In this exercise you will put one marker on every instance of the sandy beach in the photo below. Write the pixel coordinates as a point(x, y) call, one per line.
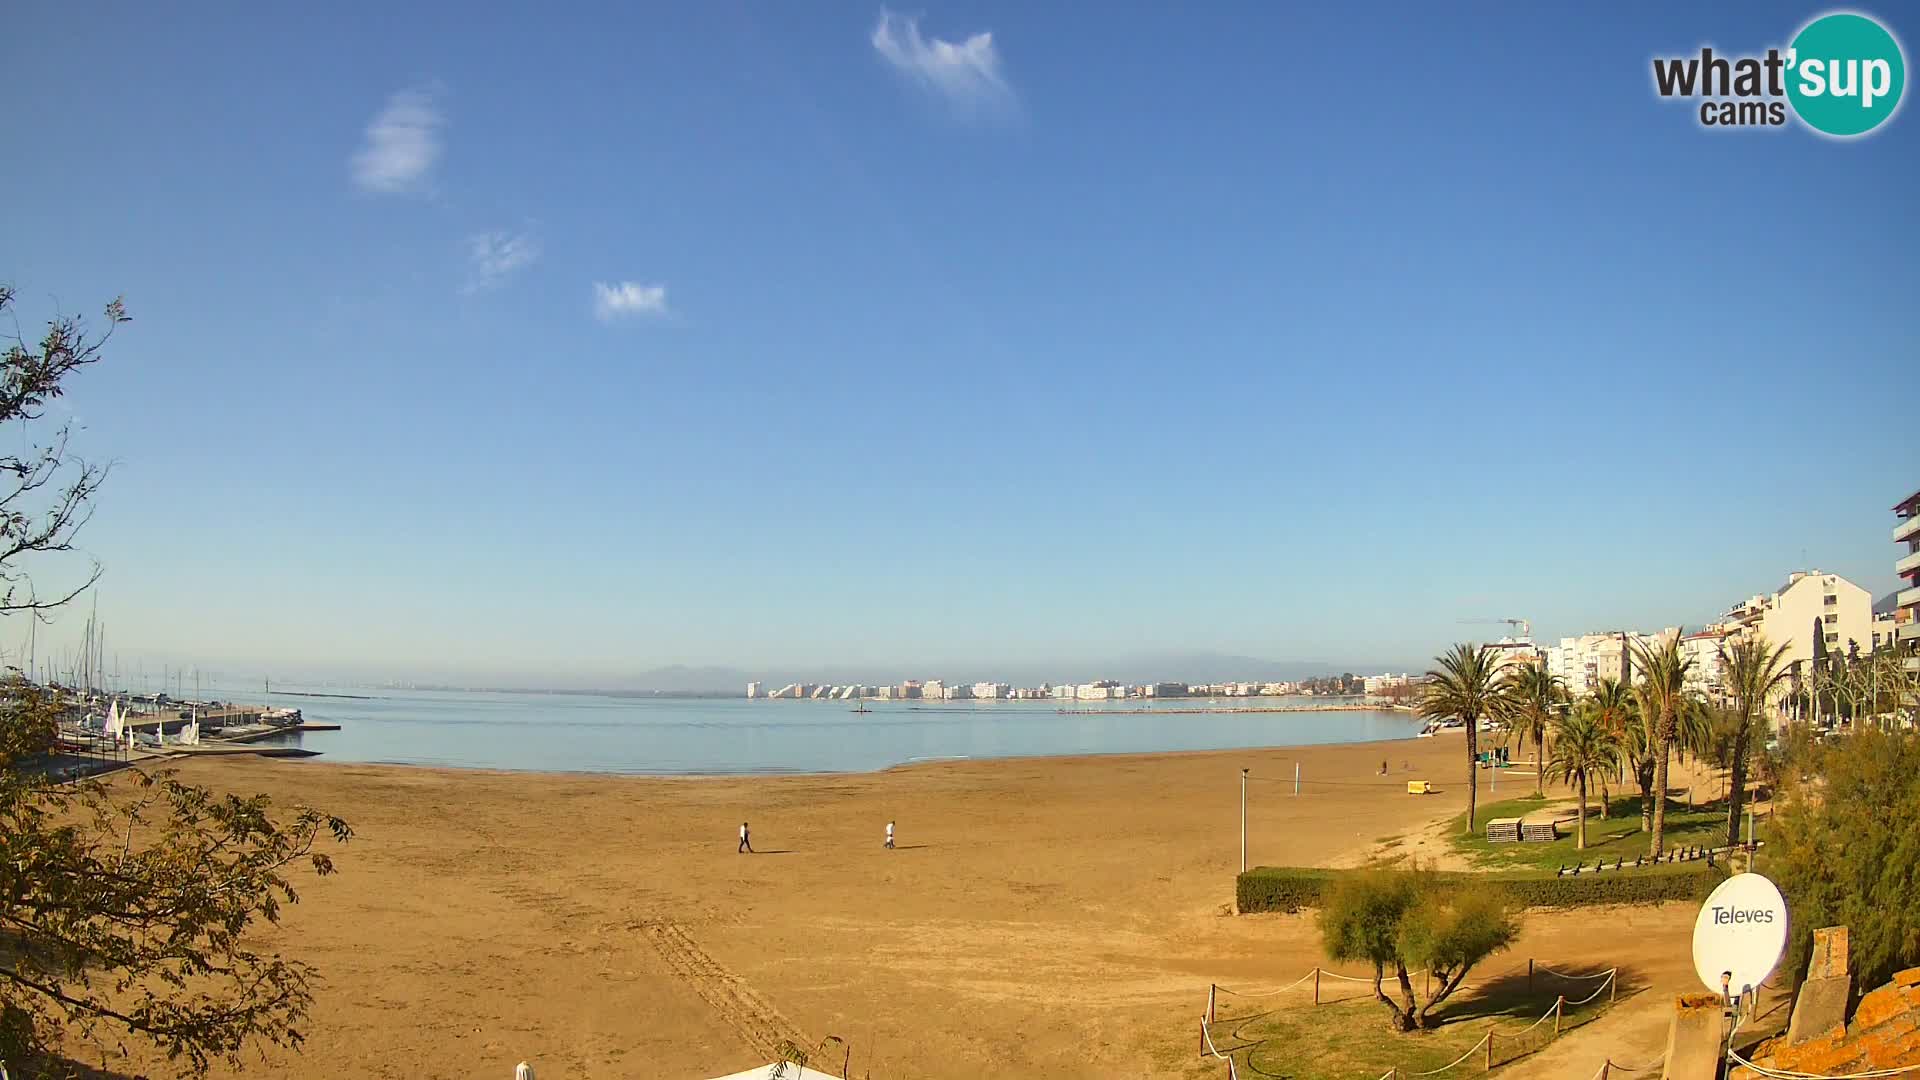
point(1041, 917)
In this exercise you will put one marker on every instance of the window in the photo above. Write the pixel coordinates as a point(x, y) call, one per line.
point(1833, 617)
point(1832, 638)
point(1832, 600)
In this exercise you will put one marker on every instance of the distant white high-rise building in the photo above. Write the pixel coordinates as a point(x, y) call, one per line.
point(753, 689)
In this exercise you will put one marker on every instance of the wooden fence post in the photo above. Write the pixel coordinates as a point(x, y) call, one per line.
point(1613, 986)
point(1559, 1009)
point(1316, 986)
point(1489, 1051)
point(1529, 974)
point(1211, 988)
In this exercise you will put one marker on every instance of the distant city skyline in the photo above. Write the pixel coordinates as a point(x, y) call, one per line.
point(785, 337)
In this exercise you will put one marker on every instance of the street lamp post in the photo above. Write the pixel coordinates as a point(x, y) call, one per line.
point(1243, 821)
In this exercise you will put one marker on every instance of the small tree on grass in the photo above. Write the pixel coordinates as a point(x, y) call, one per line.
point(1449, 933)
point(1402, 921)
point(1360, 922)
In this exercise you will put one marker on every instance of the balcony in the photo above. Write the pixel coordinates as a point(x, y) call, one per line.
point(1907, 529)
point(1908, 565)
point(1907, 598)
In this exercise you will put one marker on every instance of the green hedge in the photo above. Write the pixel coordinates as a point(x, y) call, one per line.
point(1285, 888)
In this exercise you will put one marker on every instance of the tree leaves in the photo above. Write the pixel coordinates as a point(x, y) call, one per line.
point(126, 907)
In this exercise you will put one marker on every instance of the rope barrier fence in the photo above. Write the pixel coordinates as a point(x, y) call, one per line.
point(1206, 1040)
point(1516, 1041)
point(1608, 1068)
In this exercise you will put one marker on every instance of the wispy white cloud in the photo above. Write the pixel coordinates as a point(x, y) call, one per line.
point(403, 142)
point(627, 298)
point(966, 74)
point(493, 257)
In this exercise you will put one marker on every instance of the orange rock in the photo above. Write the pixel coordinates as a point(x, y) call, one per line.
point(1878, 1007)
point(1909, 977)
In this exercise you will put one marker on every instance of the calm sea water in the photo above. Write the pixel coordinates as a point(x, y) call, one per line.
point(589, 733)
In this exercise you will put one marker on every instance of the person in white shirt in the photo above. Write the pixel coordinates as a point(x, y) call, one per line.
point(889, 836)
point(746, 840)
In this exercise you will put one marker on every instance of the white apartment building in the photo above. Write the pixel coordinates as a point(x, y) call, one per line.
point(933, 690)
point(1581, 662)
point(1810, 603)
point(1886, 630)
point(1373, 684)
point(990, 691)
point(1510, 651)
point(1705, 673)
point(1906, 614)
point(753, 689)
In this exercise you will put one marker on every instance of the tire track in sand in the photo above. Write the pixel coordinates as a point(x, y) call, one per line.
point(758, 1023)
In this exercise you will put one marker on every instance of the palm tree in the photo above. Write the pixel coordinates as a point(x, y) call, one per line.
point(1641, 750)
point(1751, 672)
point(1664, 695)
point(1527, 703)
point(1612, 705)
point(1463, 686)
point(1583, 747)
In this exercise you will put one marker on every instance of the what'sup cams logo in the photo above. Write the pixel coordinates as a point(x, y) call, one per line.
point(1843, 76)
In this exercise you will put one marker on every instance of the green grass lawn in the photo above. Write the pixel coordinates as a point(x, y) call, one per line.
point(1349, 1039)
point(1616, 836)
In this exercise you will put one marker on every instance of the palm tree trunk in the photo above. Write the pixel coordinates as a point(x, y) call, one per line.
point(1604, 794)
point(1473, 768)
point(1540, 760)
point(1660, 797)
point(1736, 786)
point(1581, 843)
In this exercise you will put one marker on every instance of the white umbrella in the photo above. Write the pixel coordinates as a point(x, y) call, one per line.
point(523, 1071)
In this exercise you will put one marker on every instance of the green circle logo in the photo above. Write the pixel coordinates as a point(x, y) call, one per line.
point(1845, 74)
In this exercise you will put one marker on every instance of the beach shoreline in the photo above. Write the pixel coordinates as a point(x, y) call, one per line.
point(321, 760)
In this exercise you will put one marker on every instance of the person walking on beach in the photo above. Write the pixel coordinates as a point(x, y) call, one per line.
point(746, 840)
point(889, 836)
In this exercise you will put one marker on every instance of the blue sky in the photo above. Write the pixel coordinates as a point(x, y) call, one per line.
point(569, 343)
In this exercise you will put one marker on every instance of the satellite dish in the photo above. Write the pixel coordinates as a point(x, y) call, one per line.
point(1740, 934)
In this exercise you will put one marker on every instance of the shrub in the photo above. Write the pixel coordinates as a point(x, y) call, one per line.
point(1399, 919)
point(1848, 854)
point(1271, 888)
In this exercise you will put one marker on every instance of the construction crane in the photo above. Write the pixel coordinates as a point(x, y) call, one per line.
point(1525, 627)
